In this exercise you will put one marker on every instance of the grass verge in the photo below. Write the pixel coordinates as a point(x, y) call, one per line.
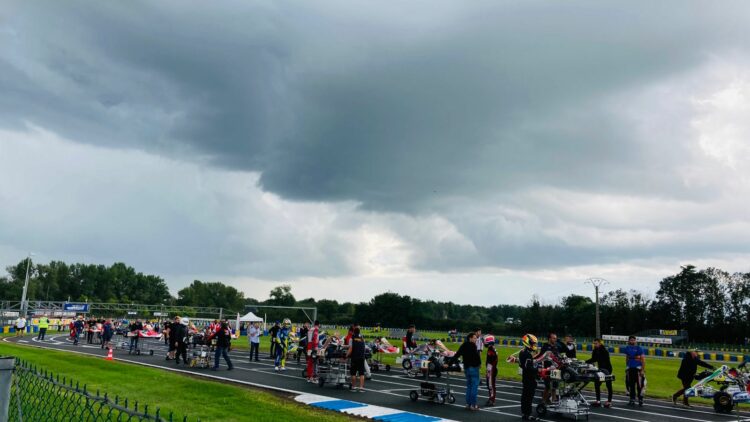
point(182, 394)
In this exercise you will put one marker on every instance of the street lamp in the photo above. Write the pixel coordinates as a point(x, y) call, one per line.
point(597, 282)
point(24, 305)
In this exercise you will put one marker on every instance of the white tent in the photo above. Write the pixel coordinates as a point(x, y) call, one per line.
point(251, 317)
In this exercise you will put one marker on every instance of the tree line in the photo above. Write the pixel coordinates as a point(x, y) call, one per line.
point(713, 305)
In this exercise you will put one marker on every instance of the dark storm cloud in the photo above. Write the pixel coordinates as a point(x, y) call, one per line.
point(386, 106)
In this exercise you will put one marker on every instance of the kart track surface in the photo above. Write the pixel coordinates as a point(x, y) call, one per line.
point(389, 389)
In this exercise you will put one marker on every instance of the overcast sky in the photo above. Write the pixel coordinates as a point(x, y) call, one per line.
point(479, 152)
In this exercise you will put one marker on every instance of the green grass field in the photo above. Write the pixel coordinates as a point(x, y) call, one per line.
point(184, 395)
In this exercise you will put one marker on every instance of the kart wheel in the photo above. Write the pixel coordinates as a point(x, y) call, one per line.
point(440, 399)
point(138, 352)
point(413, 395)
point(304, 373)
point(406, 364)
point(387, 368)
point(438, 374)
point(723, 402)
point(321, 382)
point(150, 352)
point(431, 366)
point(451, 398)
point(568, 375)
point(541, 409)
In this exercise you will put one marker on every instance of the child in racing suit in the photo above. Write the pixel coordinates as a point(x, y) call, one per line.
point(491, 367)
point(528, 375)
point(282, 344)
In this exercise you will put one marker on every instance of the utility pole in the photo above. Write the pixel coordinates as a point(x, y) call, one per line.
point(24, 305)
point(597, 282)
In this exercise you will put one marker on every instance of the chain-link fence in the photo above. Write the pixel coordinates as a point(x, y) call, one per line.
point(38, 395)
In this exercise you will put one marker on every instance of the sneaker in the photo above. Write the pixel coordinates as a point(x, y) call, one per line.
point(309, 380)
point(361, 390)
point(283, 368)
point(489, 403)
point(631, 403)
point(674, 400)
point(276, 368)
point(596, 404)
point(608, 404)
point(640, 402)
point(686, 404)
point(230, 368)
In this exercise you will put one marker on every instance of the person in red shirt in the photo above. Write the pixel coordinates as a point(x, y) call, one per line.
point(491, 367)
point(312, 344)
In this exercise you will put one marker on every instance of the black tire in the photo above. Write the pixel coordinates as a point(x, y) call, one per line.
point(723, 402)
point(451, 398)
point(387, 368)
point(138, 352)
point(441, 399)
point(150, 352)
point(321, 382)
point(413, 395)
point(304, 373)
point(568, 375)
point(406, 364)
point(541, 409)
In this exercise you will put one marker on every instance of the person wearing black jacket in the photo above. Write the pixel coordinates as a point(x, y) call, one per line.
point(472, 360)
point(686, 374)
point(600, 356)
point(569, 348)
point(553, 346)
point(135, 329)
point(223, 342)
point(274, 331)
point(179, 332)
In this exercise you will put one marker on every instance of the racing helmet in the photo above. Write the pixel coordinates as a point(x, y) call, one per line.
point(489, 340)
point(529, 341)
point(185, 320)
point(287, 322)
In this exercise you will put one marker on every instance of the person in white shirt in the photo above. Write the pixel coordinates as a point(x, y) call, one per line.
point(20, 326)
point(253, 336)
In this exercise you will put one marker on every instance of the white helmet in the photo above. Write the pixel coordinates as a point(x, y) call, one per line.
point(287, 322)
point(184, 320)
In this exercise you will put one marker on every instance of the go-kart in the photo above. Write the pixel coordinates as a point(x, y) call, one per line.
point(726, 386)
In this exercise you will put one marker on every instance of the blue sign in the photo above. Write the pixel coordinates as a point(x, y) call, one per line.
point(76, 307)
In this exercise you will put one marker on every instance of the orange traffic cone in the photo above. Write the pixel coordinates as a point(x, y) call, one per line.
point(109, 354)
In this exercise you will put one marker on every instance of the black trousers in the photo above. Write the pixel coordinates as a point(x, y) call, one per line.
point(42, 332)
point(254, 347)
point(685, 385)
point(634, 383)
point(181, 351)
point(598, 390)
point(527, 397)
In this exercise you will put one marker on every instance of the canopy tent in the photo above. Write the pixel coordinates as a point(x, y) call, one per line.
point(251, 317)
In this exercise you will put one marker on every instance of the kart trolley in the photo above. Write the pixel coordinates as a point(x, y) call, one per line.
point(437, 393)
point(568, 378)
point(147, 342)
point(332, 367)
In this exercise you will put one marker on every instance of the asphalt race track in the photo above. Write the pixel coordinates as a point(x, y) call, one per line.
point(391, 389)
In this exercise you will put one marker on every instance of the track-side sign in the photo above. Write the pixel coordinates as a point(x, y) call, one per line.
point(667, 332)
point(157, 314)
point(654, 340)
point(76, 307)
point(10, 313)
point(132, 313)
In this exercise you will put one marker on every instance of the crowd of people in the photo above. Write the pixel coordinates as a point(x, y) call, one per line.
point(310, 340)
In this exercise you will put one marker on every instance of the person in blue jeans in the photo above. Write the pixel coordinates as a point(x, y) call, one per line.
point(472, 361)
point(78, 326)
point(223, 342)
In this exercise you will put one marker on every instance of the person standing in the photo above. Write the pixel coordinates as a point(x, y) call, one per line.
point(223, 342)
point(491, 369)
point(78, 328)
point(528, 375)
point(253, 336)
point(313, 337)
point(686, 374)
point(552, 347)
point(635, 367)
point(134, 330)
point(43, 325)
point(272, 333)
point(302, 346)
point(600, 356)
point(356, 353)
point(472, 361)
point(107, 332)
point(179, 333)
point(409, 344)
point(20, 325)
point(282, 343)
point(570, 347)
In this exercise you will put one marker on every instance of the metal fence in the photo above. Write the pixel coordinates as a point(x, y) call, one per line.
point(38, 395)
